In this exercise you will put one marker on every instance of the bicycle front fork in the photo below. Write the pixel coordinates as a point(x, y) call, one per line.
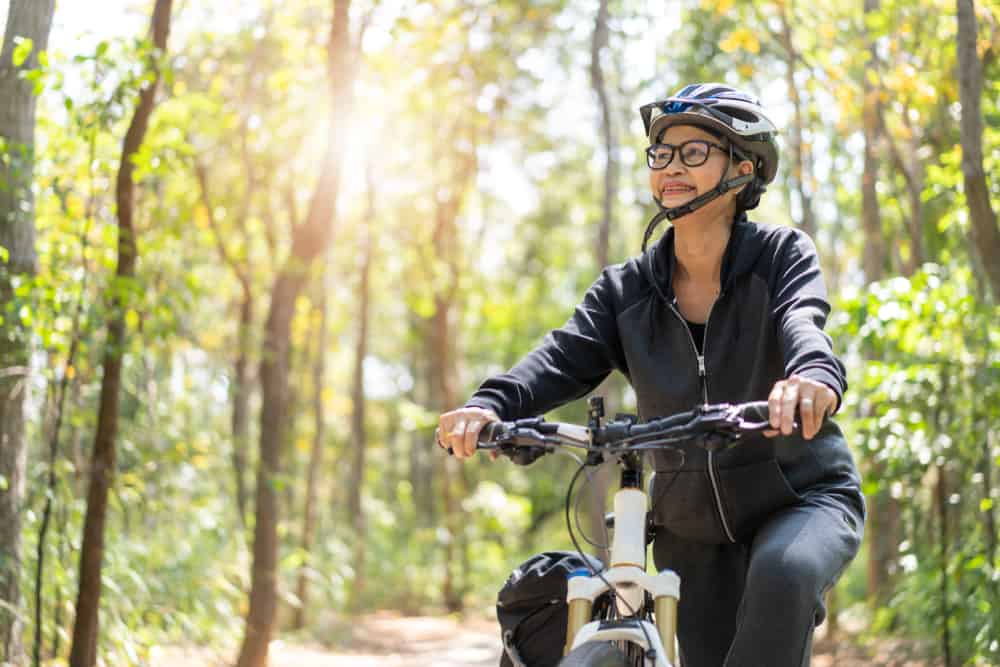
point(664, 588)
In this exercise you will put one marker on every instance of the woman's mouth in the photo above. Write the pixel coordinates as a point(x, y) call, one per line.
point(675, 189)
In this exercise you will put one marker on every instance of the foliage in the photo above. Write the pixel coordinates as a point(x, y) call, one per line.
point(923, 412)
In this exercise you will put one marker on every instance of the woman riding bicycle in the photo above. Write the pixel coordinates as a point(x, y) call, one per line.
point(720, 309)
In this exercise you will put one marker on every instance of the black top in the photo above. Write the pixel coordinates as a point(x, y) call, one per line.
point(698, 333)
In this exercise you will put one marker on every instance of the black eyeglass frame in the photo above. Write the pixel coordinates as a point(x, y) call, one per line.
point(676, 149)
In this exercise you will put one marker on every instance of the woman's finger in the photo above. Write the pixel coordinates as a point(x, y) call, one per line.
point(472, 428)
point(789, 401)
point(807, 411)
point(774, 404)
point(456, 436)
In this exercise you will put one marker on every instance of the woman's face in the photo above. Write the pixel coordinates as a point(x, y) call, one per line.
point(677, 183)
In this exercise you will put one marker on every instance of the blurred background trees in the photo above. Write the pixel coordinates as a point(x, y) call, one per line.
point(491, 165)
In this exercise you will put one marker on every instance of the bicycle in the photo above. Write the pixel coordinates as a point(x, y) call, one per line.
point(639, 627)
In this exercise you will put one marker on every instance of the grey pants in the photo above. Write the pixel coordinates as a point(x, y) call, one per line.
point(757, 603)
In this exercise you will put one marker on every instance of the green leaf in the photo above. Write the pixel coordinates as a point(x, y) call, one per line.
point(22, 49)
point(985, 505)
point(102, 48)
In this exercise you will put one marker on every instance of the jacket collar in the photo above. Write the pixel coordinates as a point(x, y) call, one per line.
point(741, 253)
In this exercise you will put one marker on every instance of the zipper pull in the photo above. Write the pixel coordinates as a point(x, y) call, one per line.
point(701, 365)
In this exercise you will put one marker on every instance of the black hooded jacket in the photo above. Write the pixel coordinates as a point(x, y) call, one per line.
point(766, 324)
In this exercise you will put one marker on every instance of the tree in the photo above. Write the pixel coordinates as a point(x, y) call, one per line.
point(983, 231)
point(25, 37)
point(85, 627)
point(309, 240)
point(359, 436)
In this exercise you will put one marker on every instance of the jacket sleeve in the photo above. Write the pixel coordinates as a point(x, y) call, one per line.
point(570, 362)
point(800, 308)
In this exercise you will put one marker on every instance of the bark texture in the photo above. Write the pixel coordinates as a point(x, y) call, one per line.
point(458, 169)
point(102, 465)
point(359, 440)
point(309, 241)
point(873, 259)
point(983, 231)
point(611, 388)
point(801, 155)
point(315, 463)
point(27, 19)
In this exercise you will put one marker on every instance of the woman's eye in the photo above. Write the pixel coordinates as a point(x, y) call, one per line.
point(694, 153)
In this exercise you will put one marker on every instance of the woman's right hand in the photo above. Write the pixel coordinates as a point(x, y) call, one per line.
point(460, 428)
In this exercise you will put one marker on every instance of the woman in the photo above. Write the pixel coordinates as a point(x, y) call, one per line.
point(721, 309)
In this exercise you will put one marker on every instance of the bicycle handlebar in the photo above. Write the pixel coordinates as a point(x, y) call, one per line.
point(715, 427)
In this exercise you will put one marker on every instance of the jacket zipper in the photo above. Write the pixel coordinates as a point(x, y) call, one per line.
point(703, 378)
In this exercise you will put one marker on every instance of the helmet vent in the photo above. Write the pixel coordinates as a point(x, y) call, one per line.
point(741, 114)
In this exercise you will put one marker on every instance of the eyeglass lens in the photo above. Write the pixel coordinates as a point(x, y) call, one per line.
point(693, 153)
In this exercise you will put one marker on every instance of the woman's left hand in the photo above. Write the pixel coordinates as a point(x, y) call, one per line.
point(814, 400)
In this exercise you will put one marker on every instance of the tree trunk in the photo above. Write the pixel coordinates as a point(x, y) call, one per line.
point(881, 547)
point(459, 169)
point(422, 461)
point(913, 173)
point(359, 440)
point(309, 240)
point(315, 463)
point(801, 163)
point(873, 260)
point(59, 411)
point(983, 232)
point(941, 505)
point(599, 44)
point(85, 628)
point(611, 388)
point(988, 514)
point(28, 19)
point(241, 405)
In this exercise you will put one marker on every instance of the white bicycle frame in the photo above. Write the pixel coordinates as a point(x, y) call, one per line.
point(627, 574)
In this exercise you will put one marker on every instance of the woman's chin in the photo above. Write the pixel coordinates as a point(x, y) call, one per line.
point(675, 199)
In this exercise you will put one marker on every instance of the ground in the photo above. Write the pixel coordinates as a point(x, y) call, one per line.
point(391, 640)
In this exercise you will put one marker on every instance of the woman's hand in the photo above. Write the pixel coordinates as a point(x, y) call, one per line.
point(460, 428)
point(814, 400)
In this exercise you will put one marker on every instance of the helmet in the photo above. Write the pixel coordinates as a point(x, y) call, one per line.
point(722, 110)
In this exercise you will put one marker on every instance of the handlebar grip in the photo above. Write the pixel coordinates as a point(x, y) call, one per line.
point(488, 432)
point(756, 411)
point(485, 435)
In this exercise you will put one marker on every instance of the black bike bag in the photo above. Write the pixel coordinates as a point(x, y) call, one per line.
point(533, 611)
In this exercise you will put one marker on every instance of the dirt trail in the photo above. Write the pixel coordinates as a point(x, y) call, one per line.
point(383, 640)
point(390, 640)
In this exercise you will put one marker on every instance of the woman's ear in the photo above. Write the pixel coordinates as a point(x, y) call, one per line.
point(743, 168)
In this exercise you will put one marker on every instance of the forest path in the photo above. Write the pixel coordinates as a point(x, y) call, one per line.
point(389, 640)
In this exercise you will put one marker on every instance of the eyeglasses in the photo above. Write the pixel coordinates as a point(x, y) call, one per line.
point(694, 153)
